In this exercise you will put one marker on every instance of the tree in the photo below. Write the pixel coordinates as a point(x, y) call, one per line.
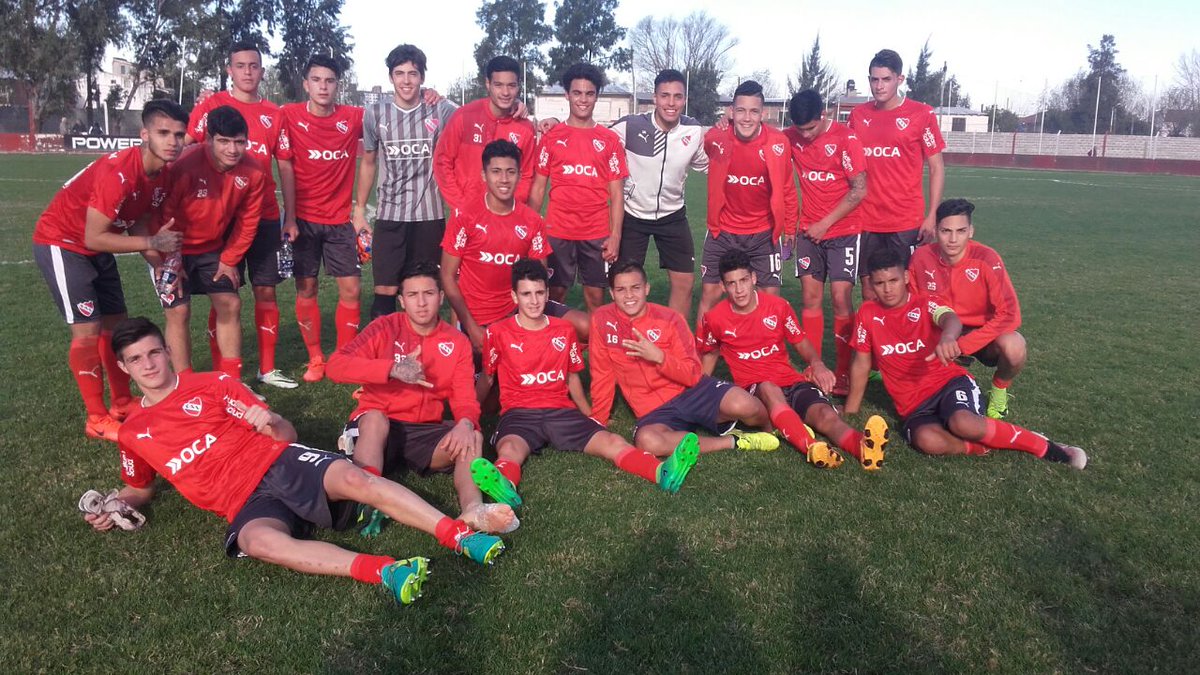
point(1003, 119)
point(816, 74)
point(1073, 106)
point(770, 87)
point(515, 28)
point(1185, 90)
point(587, 32)
point(36, 47)
point(310, 27)
point(697, 45)
point(932, 86)
point(96, 24)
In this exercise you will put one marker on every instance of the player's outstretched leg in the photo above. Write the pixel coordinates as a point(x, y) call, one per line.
point(991, 433)
point(1009, 353)
point(404, 578)
point(738, 405)
point(493, 483)
point(674, 469)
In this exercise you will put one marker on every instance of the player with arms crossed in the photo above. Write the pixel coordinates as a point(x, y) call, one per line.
point(751, 196)
point(833, 182)
point(648, 351)
point(215, 199)
point(318, 140)
point(261, 263)
point(74, 242)
point(584, 164)
point(900, 136)
point(410, 365)
point(752, 330)
point(225, 452)
point(536, 359)
point(973, 279)
point(914, 341)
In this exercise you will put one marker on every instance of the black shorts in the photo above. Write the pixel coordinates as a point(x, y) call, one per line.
point(260, 267)
point(961, 393)
point(84, 287)
point(988, 355)
point(399, 244)
point(762, 248)
point(801, 396)
point(293, 491)
point(672, 235)
point(566, 429)
point(198, 280)
point(697, 407)
point(335, 245)
point(581, 259)
point(834, 259)
point(903, 242)
point(410, 445)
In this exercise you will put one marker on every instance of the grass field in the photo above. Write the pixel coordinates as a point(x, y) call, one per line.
point(761, 564)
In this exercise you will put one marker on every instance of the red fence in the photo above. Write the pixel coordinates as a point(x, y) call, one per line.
point(1064, 163)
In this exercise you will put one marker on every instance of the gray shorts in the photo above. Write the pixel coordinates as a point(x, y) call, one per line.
point(198, 271)
point(572, 259)
point(84, 287)
point(903, 242)
point(834, 259)
point(566, 429)
point(335, 245)
point(761, 246)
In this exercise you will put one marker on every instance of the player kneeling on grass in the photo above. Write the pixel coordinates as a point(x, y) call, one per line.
point(225, 452)
point(410, 365)
point(914, 342)
point(752, 330)
point(536, 358)
point(649, 351)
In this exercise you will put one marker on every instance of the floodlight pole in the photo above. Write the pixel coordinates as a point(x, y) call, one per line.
point(1096, 116)
point(1153, 109)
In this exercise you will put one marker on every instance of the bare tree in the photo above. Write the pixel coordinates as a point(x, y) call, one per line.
point(770, 87)
point(816, 73)
point(1185, 92)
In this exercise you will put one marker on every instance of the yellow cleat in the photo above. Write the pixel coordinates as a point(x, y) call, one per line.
point(821, 456)
point(875, 439)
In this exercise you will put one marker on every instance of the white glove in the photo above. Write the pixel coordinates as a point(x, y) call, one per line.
point(123, 515)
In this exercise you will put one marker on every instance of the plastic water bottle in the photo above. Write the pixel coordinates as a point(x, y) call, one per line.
point(169, 274)
point(286, 258)
point(364, 247)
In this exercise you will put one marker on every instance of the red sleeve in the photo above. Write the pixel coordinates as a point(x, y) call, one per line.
point(791, 325)
point(604, 380)
point(108, 190)
point(617, 167)
point(283, 144)
point(575, 363)
point(931, 136)
point(791, 202)
point(135, 471)
point(681, 364)
point(462, 397)
point(358, 361)
point(198, 121)
point(245, 225)
point(232, 390)
point(445, 159)
point(861, 340)
point(1006, 311)
point(454, 241)
point(854, 158)
point(706, 337)
point(543, 156)
point(490, 351)
point(528, 153)
point(539, 246)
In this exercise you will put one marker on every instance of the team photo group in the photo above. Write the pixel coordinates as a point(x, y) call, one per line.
point(483, 219)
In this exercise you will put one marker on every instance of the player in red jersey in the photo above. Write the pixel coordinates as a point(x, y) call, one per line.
point(900, 136)
point(535, 358)
point(73, 246)
point(410, 365)
point(215, 198)
point(459, 152)
point(833, 182)
point(585, 166)
point(318, 141)
point(751, 196)
point(225, 452)
point(973, 279)
point(261, 264)
point(648, 351)
point(752, 330)
point(914, 341)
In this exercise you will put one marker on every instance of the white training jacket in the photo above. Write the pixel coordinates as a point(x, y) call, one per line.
point(658, 163)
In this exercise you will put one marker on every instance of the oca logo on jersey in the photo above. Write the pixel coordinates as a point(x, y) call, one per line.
point(882, 151)
point(328, 155)
point(545, 377)
point(819, 176)
point(902, 348)
point(499, 258)
point(191, 452)
point(745, 180)
point(580, 170)
point(759, 353)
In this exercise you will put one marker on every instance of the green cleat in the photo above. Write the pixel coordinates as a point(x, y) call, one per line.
point(674, 469)
point(370, 521)
point(997, 403)
point(754, 440)
point(492, 483)
point(480, 547)
point(404, 578)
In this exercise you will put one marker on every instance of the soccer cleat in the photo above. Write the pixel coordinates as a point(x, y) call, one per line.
point(102, 427)
point(841, 388)
point(1076, 458)
point(494, 518)
point(315, 371)
point(674, 469)
point(875, 376)
point(276, 378)
point(404, 578)
point(492, 483)
point(356, 394)
point(875, 439)
point(370, 521)
point(120, 410)
point(997, 408)
point(480, 547)
point(754, 440)
point(821, 456)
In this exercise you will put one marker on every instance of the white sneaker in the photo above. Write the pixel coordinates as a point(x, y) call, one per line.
point(276, 378)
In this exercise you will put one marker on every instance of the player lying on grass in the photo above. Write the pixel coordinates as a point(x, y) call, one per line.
point(915, 341)
point(973, 279)
point(410, 365)
point(649, 352)
point(225, 452)
point(536, 359)
point(751, 331)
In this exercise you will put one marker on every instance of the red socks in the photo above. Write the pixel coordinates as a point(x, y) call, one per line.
point(788, 422)
point(84, 359)
point(266, 321)
point(214, 349)
point(510, 470)
point(449, 531)
point(308, 316)
point(638, 463)
point(118, 380)
point(347, 318)
point(232, 368)
point(371, 470)
point(851, 442)
point(975, 448)
point(999, 383)
point(1005, 436)
point(843, 326)
point(813, 322)
point(367, 568)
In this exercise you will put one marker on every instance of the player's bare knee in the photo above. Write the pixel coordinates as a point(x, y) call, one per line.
point(260, 541)
point(1012, 349)
point(928, 440)
point(967, 426)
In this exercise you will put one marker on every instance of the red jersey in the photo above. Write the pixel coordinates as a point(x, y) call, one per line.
point(445, 357)
point(115, 185)
point(489, 244)
point(214, 209)
point(197, 440)
point(750, 186)
point(825, 167)
point(322, 151)
point(896, 142)
point(533, 365)
point(458, 155)
point(900, 339)
point(263, 135)
point(754, 345)
point(580, 164)
point(978, 288)
point(646, 385)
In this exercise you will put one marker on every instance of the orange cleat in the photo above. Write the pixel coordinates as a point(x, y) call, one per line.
point(121, 409)
point(102, 427)
point(315, 371)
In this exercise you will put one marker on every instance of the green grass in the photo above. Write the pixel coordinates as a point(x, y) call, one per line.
point(761, 564)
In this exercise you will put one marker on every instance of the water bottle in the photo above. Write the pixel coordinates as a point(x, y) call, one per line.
point(169, 274)
point(286, 258)
point(364, 247)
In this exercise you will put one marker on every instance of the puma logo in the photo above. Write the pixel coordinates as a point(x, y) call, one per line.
point(145, 435)
point(94, 372)
point(268, 329)
point(303, 125)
